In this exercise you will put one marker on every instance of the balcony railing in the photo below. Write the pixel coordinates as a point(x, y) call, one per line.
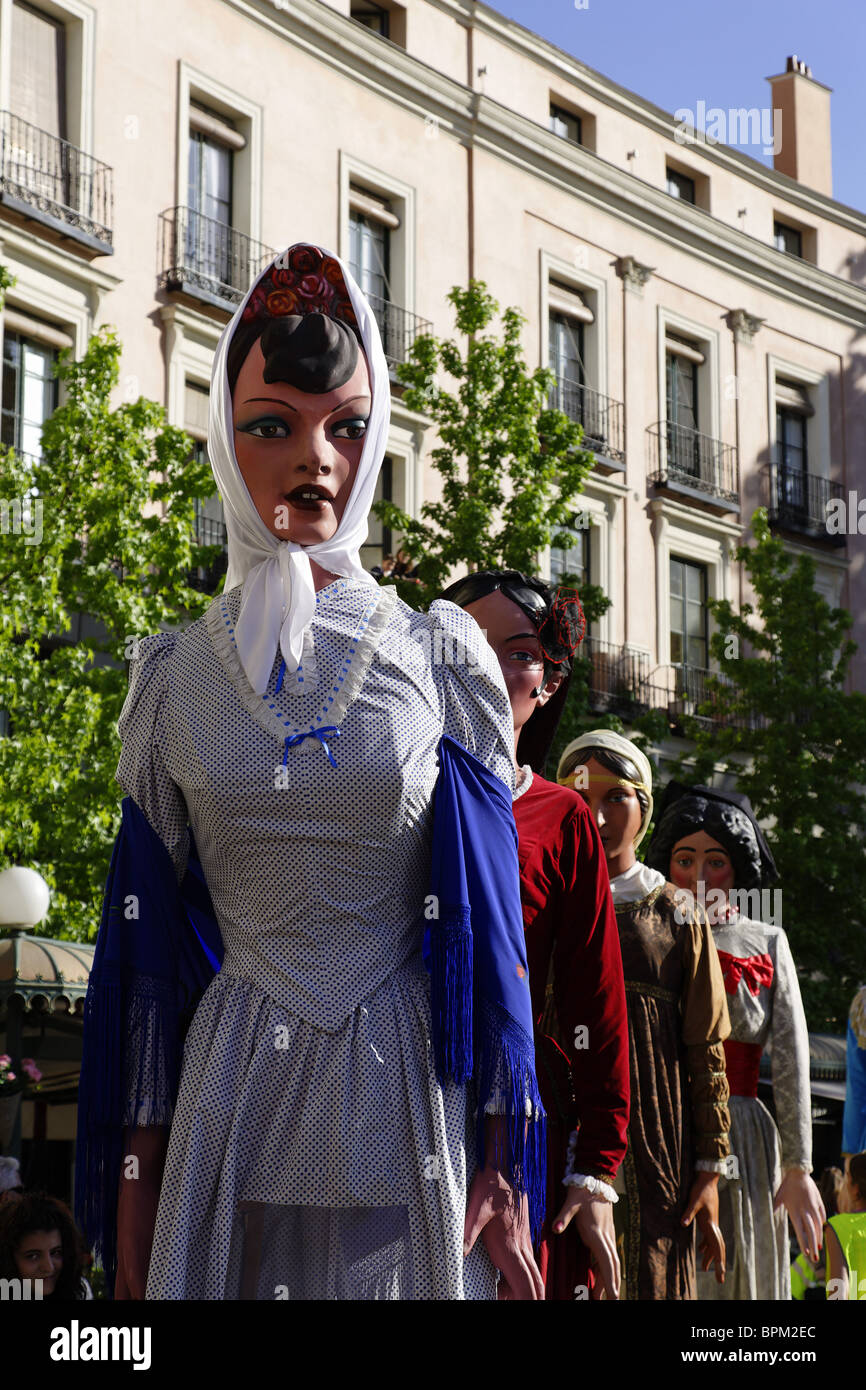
point(209, 530)
point(688, 461)
point(799, 501)
point(600, 416)
point(53, 181)
point(616, 677)
point(208, 259)
point(398, 328)
point(620, 681)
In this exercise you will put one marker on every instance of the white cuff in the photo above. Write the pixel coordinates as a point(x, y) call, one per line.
point(711, 1165)
point(596, 1186)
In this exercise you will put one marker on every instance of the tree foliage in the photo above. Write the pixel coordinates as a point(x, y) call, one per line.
point(95, 553)
point(510, 467)
point(796, 740)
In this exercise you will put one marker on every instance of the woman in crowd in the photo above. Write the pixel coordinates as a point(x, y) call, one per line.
point(575, 973)
point(677, 1017)
point(294, 737)
point(709, 843)
point(39, 1241)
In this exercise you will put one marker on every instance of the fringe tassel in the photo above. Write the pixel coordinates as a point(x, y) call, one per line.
point(451, 994)
point(505, 1075)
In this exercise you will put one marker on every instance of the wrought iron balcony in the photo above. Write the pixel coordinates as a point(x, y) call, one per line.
point(54, 182)
point(683, 460)
point(685, 691)
point(799, 502)
point(209, 531)
point(208, 259)
point(398, 328)
point(600, 416)
point(616, 677)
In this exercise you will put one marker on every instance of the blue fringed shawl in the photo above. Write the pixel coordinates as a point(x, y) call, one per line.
point(159, 946)
point(476, 953)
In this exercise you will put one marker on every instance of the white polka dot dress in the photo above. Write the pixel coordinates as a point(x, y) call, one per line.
point(313, 1154)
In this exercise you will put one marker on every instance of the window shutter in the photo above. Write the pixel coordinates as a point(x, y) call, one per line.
point(791, 396)
point(377, 209)
point(217, 127)
point(566, 300)
point(195, 416)
point(683, 349)
point(37, 88)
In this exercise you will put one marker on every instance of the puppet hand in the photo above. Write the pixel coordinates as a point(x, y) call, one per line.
point(501, 1217)
point(593, 1217)
point(802, 1200)
point(703, 1203)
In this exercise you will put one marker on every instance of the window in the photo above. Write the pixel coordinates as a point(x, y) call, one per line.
point(565, 123)
point(372, 17)
point(378, 543)
point(576, 562)
point(793, 409)
point(209, 196)
point(788, 239)
point(680, 185)
point(370, 255)
point(29, 392)
point(681, 401)
point(37, 78)
point(209, 526)
point(688, 613)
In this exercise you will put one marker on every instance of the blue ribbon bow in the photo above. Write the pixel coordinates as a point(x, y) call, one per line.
point(313, 733)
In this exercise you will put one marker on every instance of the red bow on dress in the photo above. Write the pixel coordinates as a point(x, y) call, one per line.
point(755, 970)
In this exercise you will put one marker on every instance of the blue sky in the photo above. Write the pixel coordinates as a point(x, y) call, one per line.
point(676, 55)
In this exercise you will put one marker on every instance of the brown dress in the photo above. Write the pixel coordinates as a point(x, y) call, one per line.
point(678, 1018)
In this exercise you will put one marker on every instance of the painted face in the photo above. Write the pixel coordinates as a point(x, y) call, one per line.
point(298, 452)
point(615, 809)
point(40, 1256)
point(699, 859)
point(515, 642)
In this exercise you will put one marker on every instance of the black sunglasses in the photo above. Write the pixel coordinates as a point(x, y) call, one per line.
point(511, 583)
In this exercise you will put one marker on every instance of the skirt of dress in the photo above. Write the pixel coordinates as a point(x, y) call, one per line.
point(308, 1164)
point(756, 1237)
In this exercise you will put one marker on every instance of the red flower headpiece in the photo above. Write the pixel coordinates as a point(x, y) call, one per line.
point(303, 280)
point(563, 628)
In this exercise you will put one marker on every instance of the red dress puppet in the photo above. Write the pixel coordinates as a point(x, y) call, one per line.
point(572, 942)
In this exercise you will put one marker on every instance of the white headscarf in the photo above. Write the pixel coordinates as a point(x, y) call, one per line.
point(615, 743)
point(279, 597)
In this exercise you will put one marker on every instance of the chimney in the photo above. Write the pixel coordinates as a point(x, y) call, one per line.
point(802, 107)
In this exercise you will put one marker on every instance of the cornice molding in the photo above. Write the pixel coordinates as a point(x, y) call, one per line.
point(478, 121)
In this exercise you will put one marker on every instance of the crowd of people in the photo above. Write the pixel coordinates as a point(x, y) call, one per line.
point(396, 1017)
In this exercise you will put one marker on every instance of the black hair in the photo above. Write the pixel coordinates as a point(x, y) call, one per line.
point(722, 821)
point(38, 1211)
point(312, 352)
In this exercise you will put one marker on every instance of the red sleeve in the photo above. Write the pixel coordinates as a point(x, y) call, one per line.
point(590, 999)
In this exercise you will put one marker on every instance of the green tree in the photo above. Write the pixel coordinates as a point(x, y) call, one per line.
point(510, 466)
point(95, 552)
point(784, 723)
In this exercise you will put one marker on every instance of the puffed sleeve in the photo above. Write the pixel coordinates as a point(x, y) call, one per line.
point(705, 1026)
point(789, 1042)
point(476, 710)
point(142, 771)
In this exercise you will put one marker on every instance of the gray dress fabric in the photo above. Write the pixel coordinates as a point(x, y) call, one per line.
point(756, 1237)
point(313, 1154)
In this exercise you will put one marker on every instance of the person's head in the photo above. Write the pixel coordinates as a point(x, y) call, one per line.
point(39, 1240)
point(301, 396)
point(534, 633)
point(854, 1189)
point(831, 1184)
point(615, 780)
point(711, 837)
